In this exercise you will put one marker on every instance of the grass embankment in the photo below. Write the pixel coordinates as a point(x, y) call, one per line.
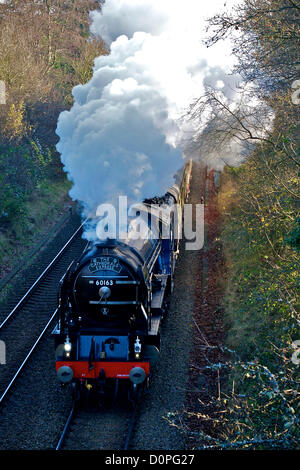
point(260, 239)
point(261, 288)
point(40, 213)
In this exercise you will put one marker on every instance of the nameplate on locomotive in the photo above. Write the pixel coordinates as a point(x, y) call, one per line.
point(105, 263)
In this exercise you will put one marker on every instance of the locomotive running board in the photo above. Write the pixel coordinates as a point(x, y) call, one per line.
point(155, 322)
point(157, 304)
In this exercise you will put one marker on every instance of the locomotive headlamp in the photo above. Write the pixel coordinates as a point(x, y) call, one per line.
point(137, 348)
point(67, 345)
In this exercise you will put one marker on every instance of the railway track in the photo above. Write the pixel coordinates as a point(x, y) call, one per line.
point(25, 323)
point(23, 326)
point(107, 429)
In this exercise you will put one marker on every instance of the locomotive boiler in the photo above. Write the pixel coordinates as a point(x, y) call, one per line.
point(112, 300)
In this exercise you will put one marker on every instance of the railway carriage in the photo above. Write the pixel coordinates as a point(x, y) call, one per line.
point(112, 300)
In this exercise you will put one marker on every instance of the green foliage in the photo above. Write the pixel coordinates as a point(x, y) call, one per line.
point(293, 238)
point(22, 169)
point(261, 239)
point(257, 411)
point(263, 268)
point(40, 210)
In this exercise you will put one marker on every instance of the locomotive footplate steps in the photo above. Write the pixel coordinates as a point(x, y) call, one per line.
point(157, 303)
point(159, 295)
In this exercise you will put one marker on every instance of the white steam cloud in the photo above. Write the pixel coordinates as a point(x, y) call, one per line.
point(122, 136)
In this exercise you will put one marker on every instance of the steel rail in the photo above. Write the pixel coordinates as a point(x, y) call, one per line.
point(130, 427)
point(66, 427)
point(61, 440)
point(27, 358)
point(41, 276)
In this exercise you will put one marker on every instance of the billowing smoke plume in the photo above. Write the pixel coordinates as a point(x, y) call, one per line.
point(122, 136)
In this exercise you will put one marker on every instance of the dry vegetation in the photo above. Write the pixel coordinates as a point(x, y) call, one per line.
point(45, 50)
point(257, 406)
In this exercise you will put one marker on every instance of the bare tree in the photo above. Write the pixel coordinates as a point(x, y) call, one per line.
point(266, 40)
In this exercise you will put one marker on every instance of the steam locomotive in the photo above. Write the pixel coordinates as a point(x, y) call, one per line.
point(112, 300)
